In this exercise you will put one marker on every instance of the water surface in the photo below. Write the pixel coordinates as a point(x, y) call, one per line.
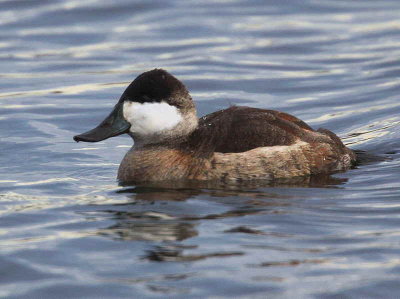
point(67, 230)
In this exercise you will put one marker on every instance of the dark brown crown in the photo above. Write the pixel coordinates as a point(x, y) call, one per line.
point(158, 85)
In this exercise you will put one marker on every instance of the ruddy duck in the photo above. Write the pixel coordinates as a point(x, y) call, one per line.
point(234, 144)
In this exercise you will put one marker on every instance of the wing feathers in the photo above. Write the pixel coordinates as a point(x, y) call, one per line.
point(239, 129)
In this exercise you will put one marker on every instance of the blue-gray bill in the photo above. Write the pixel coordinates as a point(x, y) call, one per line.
point(114, 125)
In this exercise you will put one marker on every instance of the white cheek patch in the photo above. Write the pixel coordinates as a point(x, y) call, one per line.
point(151, 118)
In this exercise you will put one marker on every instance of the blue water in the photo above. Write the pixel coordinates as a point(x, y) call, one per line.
point(67, 230)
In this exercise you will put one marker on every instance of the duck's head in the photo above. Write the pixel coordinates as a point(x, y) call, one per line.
point(156, 107)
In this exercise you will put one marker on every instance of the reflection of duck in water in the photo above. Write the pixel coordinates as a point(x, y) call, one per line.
point(235, 144)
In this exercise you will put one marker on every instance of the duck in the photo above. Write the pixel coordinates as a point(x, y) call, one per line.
point(236, 144)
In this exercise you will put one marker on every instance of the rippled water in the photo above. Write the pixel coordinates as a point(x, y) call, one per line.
point(67, 230)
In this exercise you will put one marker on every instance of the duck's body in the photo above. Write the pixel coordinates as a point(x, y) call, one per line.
point(235, 144)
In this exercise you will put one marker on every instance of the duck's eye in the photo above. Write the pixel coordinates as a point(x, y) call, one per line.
point(146, 98)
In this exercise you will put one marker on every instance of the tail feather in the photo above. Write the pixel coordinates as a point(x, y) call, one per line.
point(364, 157)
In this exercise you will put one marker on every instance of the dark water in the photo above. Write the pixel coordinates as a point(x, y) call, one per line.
point(67, 230)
